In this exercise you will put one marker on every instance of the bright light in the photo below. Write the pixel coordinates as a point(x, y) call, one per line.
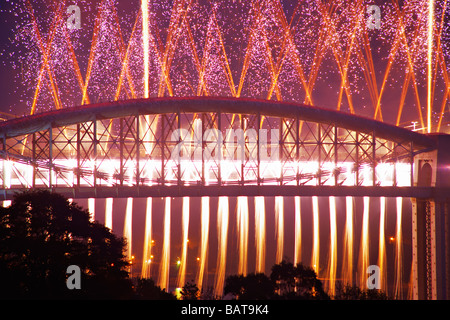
point(430, 62)
point(19, 175)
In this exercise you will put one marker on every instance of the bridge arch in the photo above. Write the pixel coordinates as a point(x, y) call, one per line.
point(150, 147)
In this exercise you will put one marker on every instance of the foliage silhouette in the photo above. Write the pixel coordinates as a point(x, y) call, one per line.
point(251, 287)
point(190, 291)
point(145, 289)
point(286, 281)
point(348, 292)
point(41, 234)
point(296, 282)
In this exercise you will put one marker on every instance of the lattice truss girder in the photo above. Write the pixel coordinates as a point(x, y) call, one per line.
point(202, 148)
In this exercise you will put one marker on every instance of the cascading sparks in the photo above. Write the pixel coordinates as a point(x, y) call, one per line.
point(260, 234)
point(382, 246)
point(347, 266)
point(316, 236)
point(279, 222)
point(91, 208)
point(222, 234)
point(332, 259)
point(298, 232)
point(163, 280)
point(204, 53)
point(398, 251)
point(127, 230)
point(184, 243)
point(204, 241)
point(242, 229)
point(364, 247)
point(109, 213)
point(147, 255)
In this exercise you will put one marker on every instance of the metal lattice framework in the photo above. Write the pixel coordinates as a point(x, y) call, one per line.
point(207, 147)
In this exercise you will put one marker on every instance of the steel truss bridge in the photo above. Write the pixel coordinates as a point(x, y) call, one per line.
point(235, 147)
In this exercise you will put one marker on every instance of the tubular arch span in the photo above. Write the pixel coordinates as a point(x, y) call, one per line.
point(127, 148)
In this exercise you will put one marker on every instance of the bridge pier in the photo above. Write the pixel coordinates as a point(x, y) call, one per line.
point(431, 224)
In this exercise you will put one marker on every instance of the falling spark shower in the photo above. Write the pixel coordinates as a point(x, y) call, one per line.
point(399, 251)
point(260, 234)
point(364, 247)
point(184, 243)
point(298, 232)
point(91, 208)
point(128, 227)
point(222, 236)
point(204, 240)
point(163, 279)
point(109, 213)
point(347, 264)
point(316, 236)
point(242, 229)
point(382, 245)
point(147, 254)
point(332, 259)
point(279, 222)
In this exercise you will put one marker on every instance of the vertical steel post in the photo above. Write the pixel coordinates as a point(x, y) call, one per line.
point(163, 150)
point(179, 173)
point(78, 170)
point(319, 147)
point(121, 146)
point(374, 161)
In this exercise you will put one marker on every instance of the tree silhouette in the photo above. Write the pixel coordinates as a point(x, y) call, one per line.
point(251, 287)
point(147, 290)
point(348, 292)
point(41, 234)
point(296, 282)
point(190, 291)
point(286, 281)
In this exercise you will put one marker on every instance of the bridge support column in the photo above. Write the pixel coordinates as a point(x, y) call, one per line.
point(431, 225)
